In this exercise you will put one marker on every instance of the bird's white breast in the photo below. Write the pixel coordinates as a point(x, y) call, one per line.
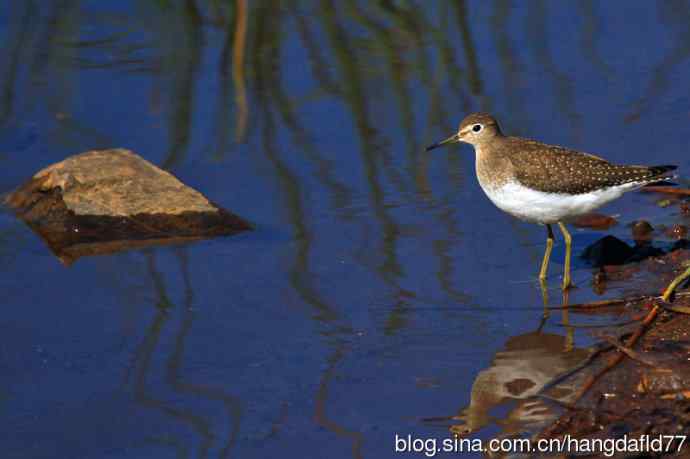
point(540, 207)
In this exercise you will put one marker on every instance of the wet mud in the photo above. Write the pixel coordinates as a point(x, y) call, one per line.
point(636, 381)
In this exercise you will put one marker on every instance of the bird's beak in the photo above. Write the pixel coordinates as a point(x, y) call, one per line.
point(455, 138)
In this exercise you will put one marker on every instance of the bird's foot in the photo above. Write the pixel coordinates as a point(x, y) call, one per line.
point(568, 285)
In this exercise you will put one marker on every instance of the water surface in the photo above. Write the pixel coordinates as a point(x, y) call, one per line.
point(380, 282)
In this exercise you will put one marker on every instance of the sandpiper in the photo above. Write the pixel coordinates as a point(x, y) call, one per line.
point(545, 184)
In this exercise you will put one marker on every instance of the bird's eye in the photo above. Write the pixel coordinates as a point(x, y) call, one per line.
point(477, 127)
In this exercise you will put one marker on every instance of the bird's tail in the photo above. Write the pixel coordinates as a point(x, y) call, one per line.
point(660, 170)
point(659, 175)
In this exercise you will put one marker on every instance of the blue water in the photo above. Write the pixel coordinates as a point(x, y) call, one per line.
point(380, 281)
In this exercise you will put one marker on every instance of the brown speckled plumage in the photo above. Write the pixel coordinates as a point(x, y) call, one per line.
point(555, 169)
point(548, 168)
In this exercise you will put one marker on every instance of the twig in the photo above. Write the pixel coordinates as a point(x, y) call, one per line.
point(620, 356)
point(685, 393)
point(600, 304)
point(590, 326)
point(633, 354)
point(634, 299)
point(585, 363)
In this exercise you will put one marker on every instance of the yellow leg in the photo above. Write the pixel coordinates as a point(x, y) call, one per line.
point(568, 245)
point(570, 331)
point(545, 300)
point(542, 276)
point(547, 253)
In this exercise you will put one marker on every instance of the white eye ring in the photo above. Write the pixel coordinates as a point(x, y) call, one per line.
point(477, 128)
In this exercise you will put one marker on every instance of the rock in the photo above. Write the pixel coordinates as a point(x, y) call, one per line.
point(595, 221)
point(608, 250)
point(685, 208)
point(642, 231)
point(111, 200)
point(677, 232)
point(644, 251)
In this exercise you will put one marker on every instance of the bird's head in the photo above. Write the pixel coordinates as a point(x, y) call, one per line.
point(475, 129)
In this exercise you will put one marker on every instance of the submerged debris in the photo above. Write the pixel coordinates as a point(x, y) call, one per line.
point(646, 394)
point(611, 251)
point(110, 200)
point(595, 221)
point(667, 190)
point(638, 384)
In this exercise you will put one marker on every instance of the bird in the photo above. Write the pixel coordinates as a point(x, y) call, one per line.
point(546, 184)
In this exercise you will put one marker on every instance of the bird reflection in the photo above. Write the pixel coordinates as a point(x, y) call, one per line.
point(516, 377)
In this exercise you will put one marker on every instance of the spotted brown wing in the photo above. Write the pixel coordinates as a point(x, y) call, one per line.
point(554, 169)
